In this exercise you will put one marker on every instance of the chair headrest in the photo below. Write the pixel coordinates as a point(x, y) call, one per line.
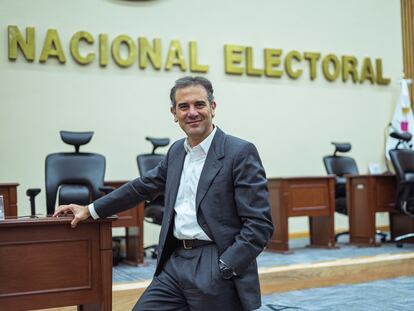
point(341, 147)
point(76, 138)
point(158, 142)
point(404, 136)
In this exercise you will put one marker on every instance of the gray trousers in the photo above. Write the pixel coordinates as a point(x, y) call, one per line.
point(190, 281)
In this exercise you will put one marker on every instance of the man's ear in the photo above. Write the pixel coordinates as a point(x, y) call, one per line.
point(213, 108)
point(172, 109)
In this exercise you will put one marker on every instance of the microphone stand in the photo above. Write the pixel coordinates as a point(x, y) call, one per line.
point(386, 134)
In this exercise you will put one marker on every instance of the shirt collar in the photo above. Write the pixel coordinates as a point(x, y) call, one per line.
point(204, 145)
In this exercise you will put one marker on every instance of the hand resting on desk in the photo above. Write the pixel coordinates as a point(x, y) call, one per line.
point(79, 212)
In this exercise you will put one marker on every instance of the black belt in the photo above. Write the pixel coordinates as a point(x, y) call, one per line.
point(189, 244)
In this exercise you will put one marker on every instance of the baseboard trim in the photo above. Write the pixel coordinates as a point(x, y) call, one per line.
point(305, 234)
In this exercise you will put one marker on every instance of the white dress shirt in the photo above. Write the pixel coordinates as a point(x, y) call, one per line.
point(185, 224)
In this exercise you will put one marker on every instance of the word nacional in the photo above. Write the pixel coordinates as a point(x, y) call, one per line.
point(238, 59)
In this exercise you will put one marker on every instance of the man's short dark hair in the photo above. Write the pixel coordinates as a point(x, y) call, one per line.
point(191, 81)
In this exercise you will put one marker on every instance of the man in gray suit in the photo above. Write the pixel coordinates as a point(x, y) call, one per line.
point(217, 215)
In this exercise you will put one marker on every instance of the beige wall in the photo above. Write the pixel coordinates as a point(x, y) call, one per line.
point(292, 122)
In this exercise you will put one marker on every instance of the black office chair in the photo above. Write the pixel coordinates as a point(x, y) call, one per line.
point(341, 166)
point(403, 163)
point(73, 177)
point(154, 210)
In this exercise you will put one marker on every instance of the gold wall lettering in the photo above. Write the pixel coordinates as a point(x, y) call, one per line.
point(16, 41)
point(74, 47)
point(52, 47)
point(125, 51)
point(238, 61)
point(150, 53)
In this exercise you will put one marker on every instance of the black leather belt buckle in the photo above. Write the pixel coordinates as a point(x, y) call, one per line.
point(190, 244)
point(185, 245)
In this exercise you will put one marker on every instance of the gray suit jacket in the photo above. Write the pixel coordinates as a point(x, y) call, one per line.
point(232, 206)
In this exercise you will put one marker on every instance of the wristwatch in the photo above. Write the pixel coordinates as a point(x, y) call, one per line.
point(226, 272)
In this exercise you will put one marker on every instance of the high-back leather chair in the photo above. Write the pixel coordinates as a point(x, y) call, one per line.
point(154, 210)
point(403, 163)
point(73, 177)
point(340, 166)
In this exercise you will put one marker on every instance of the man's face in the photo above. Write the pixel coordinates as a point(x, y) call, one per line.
point(194, 113)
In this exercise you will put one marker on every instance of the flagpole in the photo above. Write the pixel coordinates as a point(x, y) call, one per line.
point(405, 124)
point(386, 133)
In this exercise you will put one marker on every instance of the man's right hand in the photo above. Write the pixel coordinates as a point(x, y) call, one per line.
point(79, 212)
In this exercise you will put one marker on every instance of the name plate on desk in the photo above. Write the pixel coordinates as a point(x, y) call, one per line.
point(1, 208)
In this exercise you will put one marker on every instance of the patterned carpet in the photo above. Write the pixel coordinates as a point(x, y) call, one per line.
point(301, 254)
point(384, 295)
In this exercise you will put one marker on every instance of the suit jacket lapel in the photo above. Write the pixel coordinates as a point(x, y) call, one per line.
point(174, 177)
point(212, 165)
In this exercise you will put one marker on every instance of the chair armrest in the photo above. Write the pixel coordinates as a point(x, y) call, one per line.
point(407, 182)
point(106, 189)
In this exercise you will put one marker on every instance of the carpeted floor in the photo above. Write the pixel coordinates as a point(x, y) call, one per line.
point(384, 295)
point(301, 254)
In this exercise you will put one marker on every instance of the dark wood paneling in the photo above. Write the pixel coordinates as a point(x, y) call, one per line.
point(45, 263)
point(302, 196)
point(308, 199)
point(133, 220)
point(368, 195)
point(9, 193)
point(49, 276)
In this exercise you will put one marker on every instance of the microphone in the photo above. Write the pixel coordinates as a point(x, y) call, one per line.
point(393, 127)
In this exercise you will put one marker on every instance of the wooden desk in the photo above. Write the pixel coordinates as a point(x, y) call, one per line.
point(9, 193)
point(133, 221)
point(303, 196)
point(368, 195)
point(44, 263)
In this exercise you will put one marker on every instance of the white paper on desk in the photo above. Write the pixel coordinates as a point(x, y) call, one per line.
point(1, 208)
point(374, 168)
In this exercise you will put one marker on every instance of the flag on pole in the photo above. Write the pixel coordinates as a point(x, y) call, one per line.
point(403, 119)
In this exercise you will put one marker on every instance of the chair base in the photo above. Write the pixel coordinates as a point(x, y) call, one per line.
point(382, 235)
point(400, 238)
point(378, 232)
point(153, 250)
point(340, 234)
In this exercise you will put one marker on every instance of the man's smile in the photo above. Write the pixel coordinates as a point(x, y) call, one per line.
point(193, 122)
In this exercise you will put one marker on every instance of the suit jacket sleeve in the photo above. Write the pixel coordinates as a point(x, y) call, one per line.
point(146, 187)
point(253, 208)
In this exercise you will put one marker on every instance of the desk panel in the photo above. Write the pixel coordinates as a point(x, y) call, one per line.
point(308, 197)
point(45, 263)
point(9, 193)
point(368, 195)
point(302, 196)
point(133, 221)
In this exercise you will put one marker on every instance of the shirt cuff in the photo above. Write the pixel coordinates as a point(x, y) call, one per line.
point(92, 211)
